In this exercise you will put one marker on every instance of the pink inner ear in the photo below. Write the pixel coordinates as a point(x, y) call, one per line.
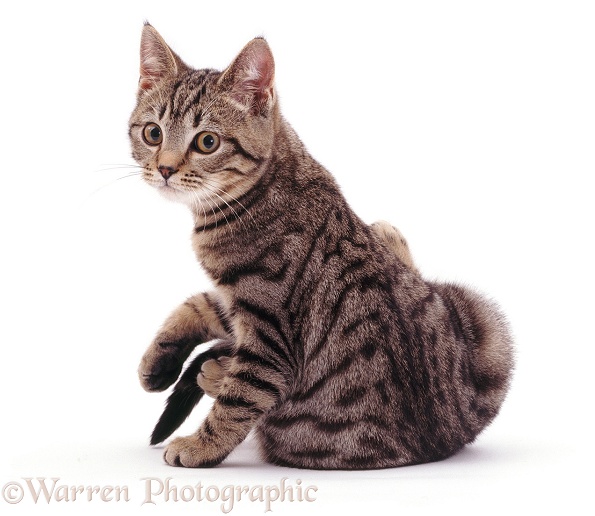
point(149, 76)
point(256, 78)
point(260, 73)
point(155, 61)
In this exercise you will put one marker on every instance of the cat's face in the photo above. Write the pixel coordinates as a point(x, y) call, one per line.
point(202, 136)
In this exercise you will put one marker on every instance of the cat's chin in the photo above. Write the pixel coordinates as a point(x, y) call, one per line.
point(193, 200)
point(172, 194)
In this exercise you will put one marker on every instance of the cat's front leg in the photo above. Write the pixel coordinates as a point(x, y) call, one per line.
point(199, 319)
point(253, 384)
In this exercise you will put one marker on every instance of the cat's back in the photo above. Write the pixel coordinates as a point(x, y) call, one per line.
point(387, 366)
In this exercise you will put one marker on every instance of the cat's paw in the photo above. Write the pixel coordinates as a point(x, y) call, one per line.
point(395, 241)
point(192, 452)
point(159, 368)
point(211, 375)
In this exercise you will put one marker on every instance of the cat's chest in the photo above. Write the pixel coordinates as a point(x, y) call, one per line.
point(243, 266)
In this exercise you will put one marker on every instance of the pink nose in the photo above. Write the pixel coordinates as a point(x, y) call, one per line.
point(166, 171)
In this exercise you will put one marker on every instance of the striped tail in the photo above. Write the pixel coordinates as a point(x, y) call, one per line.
point(186, 394)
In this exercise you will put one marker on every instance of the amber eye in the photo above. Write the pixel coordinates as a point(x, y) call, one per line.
point(152, 134)
point(206, 142)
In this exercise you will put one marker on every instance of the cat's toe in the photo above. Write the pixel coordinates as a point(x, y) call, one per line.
point(181, 452)
point(158, 375)
point(211, 376)
point(395, 241)
point(190, 452)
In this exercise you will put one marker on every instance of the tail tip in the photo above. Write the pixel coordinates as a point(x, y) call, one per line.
point(158, 436)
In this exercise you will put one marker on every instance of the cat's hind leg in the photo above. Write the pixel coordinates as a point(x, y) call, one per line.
point(395, 241)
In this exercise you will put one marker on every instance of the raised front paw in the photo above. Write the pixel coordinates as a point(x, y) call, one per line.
point(160, 366)
point(192, 452)
point(211, 375)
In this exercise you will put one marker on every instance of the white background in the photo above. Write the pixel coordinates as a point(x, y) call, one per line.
point(469, 125)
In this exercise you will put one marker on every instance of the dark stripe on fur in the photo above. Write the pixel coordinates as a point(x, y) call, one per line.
point(256, 268)
point(455, 320)
point(258, 383)
point(162, 110)
point(245, 201)
point(173, 109)
point(352, 397)
point(336, 313)
point(278, 351)
point(246, 356)
point(354, 325)
point(299, 275)
point(272, 321)
point(328, 426)
point(220, 313)
point(422, 308)
point(369, 349)
point(239, 149)
point(218, 223)
point(193, 102)
point(236, 401)
point(208, 428)
point(197, 118)
point(328, 375)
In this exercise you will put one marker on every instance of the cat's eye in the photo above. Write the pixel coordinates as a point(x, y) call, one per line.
point(206, 142)
point(152, 134)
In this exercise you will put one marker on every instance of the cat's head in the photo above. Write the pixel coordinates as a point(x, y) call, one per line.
point(202, 136)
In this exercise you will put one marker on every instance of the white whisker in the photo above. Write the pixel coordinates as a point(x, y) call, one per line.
point(231, 197)
point(110, 183)
point(208, 201)
point(217, 206)
point(204, 212)
point(117, 166)
point(237, 216)
point(199, 204)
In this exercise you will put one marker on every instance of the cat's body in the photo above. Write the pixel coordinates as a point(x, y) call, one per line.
point(332, 345)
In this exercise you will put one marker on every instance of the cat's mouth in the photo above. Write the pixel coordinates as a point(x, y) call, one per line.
point(174, 191)
point(165, 187)
point(162, 183)
point(168, 186)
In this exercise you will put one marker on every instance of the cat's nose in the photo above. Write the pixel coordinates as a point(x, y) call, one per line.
point(166, 171)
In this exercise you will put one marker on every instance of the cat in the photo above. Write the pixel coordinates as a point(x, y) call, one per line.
point(329, 344)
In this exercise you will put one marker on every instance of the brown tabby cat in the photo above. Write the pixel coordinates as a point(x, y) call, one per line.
point(331, 346)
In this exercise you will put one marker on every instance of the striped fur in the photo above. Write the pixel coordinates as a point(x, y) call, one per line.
point(334, 349)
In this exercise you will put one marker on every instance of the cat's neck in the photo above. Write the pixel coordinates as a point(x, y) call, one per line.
point(287, 164)
point(294, 194)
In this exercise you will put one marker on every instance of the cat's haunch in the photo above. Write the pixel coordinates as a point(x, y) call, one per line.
point(329, 343)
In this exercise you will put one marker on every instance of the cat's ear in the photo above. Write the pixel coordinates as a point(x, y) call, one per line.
point(251, 76)
point(157, 60)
